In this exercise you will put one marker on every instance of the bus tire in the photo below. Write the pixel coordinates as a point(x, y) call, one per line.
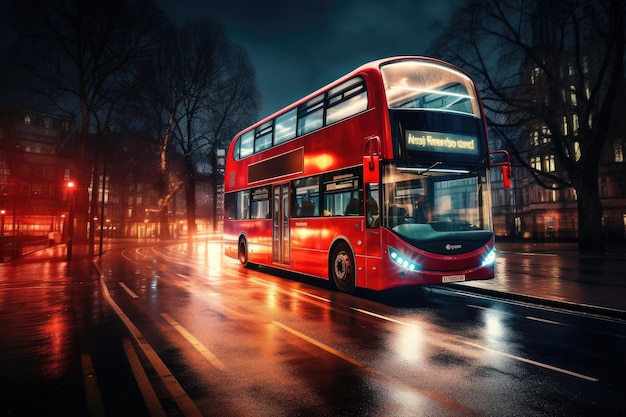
point(342, 268)
point(242, 252)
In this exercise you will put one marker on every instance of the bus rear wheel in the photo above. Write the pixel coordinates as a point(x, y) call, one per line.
point(243, 252)
point(342, 268)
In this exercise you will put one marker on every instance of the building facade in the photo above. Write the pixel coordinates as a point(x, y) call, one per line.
point(39, 156)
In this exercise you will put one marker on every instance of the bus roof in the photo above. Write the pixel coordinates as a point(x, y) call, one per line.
point(372, 66)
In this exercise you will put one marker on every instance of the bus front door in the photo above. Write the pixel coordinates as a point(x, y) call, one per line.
point(280, 225)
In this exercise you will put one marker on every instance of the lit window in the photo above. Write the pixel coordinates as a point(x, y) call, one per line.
point(619, 151)
point(285, 127)
point(549, 164)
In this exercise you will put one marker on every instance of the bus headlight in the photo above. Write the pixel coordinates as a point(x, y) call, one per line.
point(490, 258)
point(402, 260)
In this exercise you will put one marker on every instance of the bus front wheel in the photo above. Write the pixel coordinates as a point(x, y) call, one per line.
point(342, 268)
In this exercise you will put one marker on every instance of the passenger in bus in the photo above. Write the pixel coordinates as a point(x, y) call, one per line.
point(371, 208)
point(418, 210)
point(353, 207)
point(308, 209)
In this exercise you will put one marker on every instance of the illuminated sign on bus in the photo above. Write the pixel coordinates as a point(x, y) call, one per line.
point(418, 140)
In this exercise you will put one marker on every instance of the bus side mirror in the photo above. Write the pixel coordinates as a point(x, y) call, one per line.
point(371, 169)
point(506, 176)
point(502, 159)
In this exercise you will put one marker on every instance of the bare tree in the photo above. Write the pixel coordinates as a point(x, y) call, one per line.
point(200, 87)
point(556, 67)
point(234, 105)
point(79, 57)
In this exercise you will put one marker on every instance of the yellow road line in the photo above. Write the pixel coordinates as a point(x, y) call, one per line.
point(92, 392)
point(184, 402)
point(195, 343)
point(150, 398)
point(320, 345)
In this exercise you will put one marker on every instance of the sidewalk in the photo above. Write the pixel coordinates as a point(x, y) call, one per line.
point(556, 274)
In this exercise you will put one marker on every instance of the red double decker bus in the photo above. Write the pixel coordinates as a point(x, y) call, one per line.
point(378, 180)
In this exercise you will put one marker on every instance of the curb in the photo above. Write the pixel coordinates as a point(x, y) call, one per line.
point(582, 308)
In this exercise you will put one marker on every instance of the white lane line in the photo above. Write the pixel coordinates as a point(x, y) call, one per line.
point(195, 343)
point(431, 394)
point(184, 402)
point(317, 297)
point(320, 345)
point(532, 362)
point(380, 316)
point(182, 276)
point(508, 355)
point(150, 398)
point(545, 320)
point(128, 290)
point(478, 307)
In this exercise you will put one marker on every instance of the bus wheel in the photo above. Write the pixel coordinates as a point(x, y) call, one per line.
point(342, 268)
point(243, 252)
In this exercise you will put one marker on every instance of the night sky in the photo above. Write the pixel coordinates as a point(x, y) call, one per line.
point(297, 46)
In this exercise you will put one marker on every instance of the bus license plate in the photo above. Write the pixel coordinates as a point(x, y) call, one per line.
point(453, 278)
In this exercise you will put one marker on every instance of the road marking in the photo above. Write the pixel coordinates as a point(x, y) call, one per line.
point(195, 343)
point(150, 398)
point(186, 405)
point(478, 307)
point(532, 362)
point(320, 345)
point(182, 276)
point(543, 365)
point(431, 394)
point(545, 320)
point(317, 297)
point(128, 290)
point(380, 316)
point(92, 392)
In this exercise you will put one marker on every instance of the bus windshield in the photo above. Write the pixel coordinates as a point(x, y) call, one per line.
point(425, 206)
point(429, 86)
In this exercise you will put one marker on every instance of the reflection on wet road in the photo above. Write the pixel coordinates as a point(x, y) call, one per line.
point(162, 330)
point(263, 342)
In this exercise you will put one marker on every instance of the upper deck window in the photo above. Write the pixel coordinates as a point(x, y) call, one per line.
point(429, 86)
point(285, 126)
point(332, 106)
point(346, 100)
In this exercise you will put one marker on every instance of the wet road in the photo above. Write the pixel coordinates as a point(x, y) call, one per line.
point(168, 331)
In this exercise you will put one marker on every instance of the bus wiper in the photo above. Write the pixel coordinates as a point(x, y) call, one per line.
point(429, 168)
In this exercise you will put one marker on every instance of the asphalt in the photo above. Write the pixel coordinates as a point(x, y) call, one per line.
point(552, 274)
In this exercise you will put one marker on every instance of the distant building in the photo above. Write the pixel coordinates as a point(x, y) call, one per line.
point(529, 210)
point(39, 156)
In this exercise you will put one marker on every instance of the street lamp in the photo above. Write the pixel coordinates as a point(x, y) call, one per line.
point(70, 233)
point(2, 213)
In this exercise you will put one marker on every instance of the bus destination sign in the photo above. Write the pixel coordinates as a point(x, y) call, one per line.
point(419, 140)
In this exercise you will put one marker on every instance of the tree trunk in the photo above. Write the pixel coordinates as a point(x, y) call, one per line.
point(190, 199)
point(590, 231)
point(164, 224)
